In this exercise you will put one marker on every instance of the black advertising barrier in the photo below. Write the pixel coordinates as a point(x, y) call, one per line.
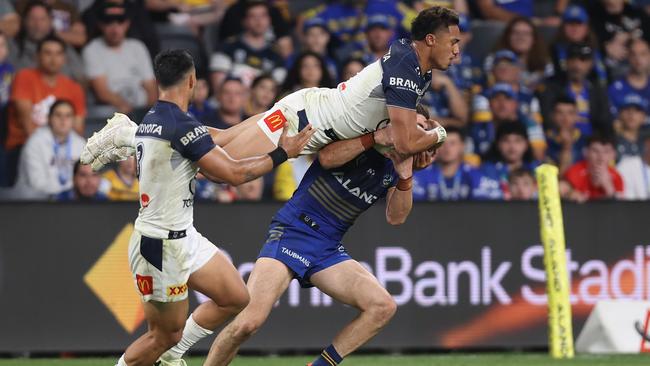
point(464, 274)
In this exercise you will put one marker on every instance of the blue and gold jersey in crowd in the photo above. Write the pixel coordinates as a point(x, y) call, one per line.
point(333, 199)
point(468, 183)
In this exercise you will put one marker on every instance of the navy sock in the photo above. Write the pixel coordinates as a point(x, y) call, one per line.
point(329, 357)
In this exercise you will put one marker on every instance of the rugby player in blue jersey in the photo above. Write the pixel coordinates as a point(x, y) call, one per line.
point(304, 242)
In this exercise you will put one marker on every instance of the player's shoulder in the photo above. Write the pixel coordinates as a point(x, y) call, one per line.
point(400, 53)
point(166, 120)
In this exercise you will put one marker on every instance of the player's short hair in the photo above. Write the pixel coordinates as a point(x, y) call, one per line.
point(431, 20)
point(58, 103)
point(171, 66)
point(422, 110)
point(50, 38)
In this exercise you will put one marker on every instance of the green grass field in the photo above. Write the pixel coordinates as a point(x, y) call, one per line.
point(500, 359)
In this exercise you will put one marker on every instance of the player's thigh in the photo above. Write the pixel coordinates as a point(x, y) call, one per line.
point(269, 279)
point(166, 317)
point(250, 140)
point(219, 280)
point(351, 284)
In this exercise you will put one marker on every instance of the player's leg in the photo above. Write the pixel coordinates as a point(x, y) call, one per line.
point(351, 284)
point(225, 136)
point(250, 140)
point(267, 282)
point(165, 321)
point(220, 281)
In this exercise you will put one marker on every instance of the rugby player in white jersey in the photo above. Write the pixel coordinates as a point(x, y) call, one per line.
point(385, 91)
point(166, 254)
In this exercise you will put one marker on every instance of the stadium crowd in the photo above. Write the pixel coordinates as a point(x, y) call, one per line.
point(552, 81)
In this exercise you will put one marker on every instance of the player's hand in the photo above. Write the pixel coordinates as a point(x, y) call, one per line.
point(403, 164)
point(424, 159)
point(294, 145)
point(384, 136)
point(433, 125)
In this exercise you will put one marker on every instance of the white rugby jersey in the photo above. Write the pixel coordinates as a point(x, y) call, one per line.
point(168, 143)
point(359, 105)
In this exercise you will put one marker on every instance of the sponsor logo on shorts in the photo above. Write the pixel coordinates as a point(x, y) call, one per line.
point(295, 255)
point(177, 290)
point(145, 284)
point(275, 120)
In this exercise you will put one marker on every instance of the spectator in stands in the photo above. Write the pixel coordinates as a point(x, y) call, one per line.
point(309, 71)
point(65, 21)
point(510, 151)
point(263, 92)
point(594, 177)
point(119, 68)
point(121, 182)
point(637, 80)
point(565, 141)
point(316, 38)
point(450, 178)
point(590, 98)
point(231, 97)
point(502, 107)
point(250, 191)
point(505, 11)
point(201, 108)
point(232, 26)
point(523, 38)
point(37, 25)
point(575, 29)
point(350, 68)
point(610, 17)
point(379, 33)
point(9, 19)
point(48, 158)
point(141, 28)
point(288, 176)
point(86, 185)
point(505, 67)
point(250, 54)
point(522, 185)
point(33, 93)
point(635, 171)
point(631, 116)
point(446, 102)
point(7, 73)
point(460, 6)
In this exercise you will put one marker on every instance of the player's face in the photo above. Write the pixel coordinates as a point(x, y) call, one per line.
point(512, 148)
point(446, 48)
point(452, 150)
point(51, 57)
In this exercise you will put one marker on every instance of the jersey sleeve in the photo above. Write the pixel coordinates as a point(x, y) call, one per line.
point(400, 79)
point(191, 139)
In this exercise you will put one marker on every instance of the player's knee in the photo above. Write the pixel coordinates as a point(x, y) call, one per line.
point(383, 309)
point(245, 328)
point(168, 339)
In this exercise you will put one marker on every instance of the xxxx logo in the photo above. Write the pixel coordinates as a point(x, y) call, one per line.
point(177, 290)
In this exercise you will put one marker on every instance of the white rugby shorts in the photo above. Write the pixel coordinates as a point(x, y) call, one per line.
point(161, 267)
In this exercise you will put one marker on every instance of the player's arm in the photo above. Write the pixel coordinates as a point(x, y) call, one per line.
point(408, 138)
point(218, 166)
point(400, 198)
point(337, 153)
